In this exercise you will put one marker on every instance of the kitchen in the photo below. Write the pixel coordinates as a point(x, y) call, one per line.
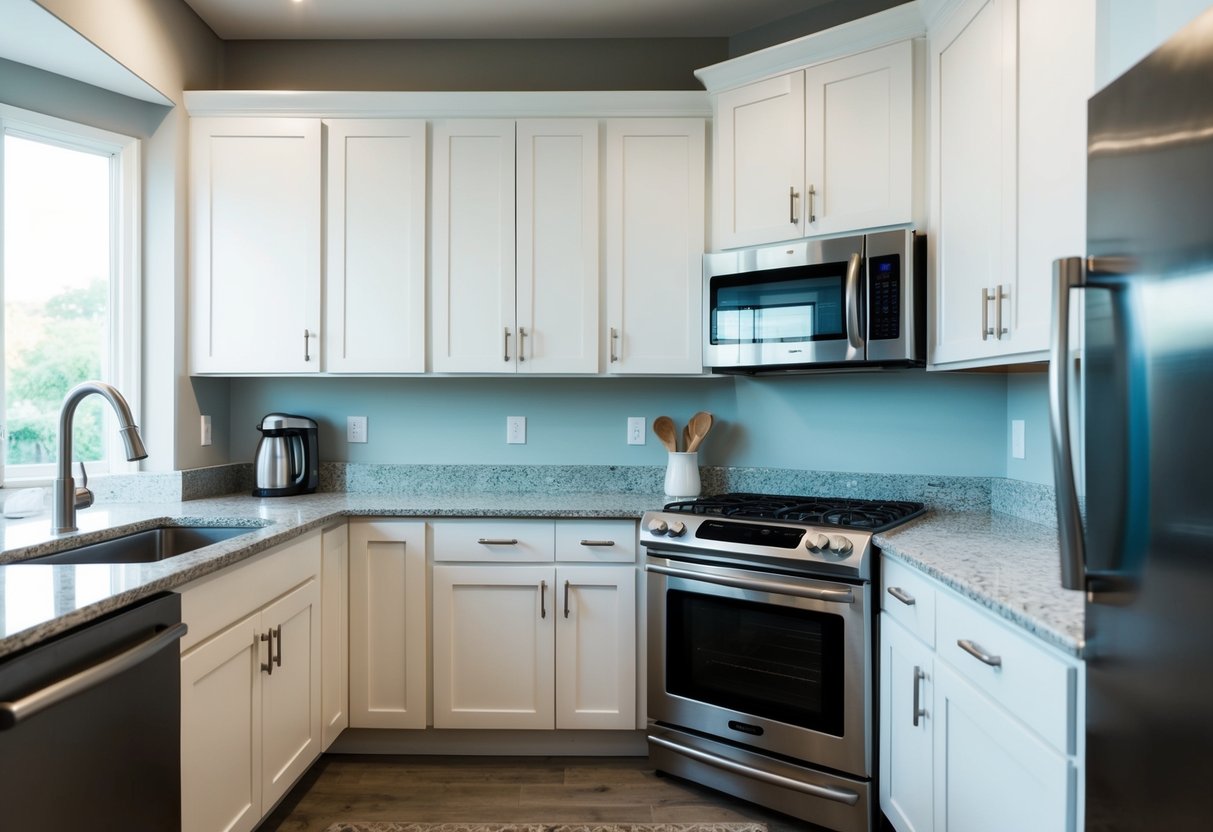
point(960, 424)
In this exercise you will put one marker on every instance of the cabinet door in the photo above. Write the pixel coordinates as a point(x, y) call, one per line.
point(290, 692)
point(388, 624)
point(759, 182)
point(221, 731)
point(859, 116)
point(335, 629)
point(557, 239)
point(906, 723)
point(655, 171)
point(494, 646)
point(596, 647)
point(973, 127)
point(375, 239)
point(254, 245)
point(473, 247)
point(991, 772)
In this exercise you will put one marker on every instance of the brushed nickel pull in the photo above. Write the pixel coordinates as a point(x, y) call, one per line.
point(597, 543)
point(792, 197)
point(986, 331)
point(812, 193)
point(566, 599)
point(614, 341)
point(903, 596)
point(543, 599)
point(918, 711)
point(974, 650)
point(507, 343)
point(307, 356)
point(277, 633)
point(999, 297)
point(522, 343)
point(267, 666)
point(497, 541)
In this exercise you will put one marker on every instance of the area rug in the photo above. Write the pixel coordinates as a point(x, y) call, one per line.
point(384, 826)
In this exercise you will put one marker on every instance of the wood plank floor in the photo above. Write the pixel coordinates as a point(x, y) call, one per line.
point(428, 789)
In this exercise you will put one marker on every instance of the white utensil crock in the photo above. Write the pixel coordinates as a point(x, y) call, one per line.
point(682, 475)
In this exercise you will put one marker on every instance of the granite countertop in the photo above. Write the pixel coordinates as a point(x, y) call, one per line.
point(1009, 565)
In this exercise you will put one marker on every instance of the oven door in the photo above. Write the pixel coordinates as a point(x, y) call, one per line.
point(780, 663)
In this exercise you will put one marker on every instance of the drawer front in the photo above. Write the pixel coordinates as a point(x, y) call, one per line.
point(1025, 677)
point(494, 541)
point(596, 541)
point(908, 596)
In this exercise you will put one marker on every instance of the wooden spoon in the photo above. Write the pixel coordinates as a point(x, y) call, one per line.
point(686, 436)
point(700, 424)
point(663, 426)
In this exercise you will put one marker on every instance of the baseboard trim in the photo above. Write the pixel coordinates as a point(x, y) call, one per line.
point(492, 743)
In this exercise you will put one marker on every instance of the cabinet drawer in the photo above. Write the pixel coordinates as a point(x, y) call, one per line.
point(1027, 679)
point(908, 597)
point(596, 541)
point(494, 541)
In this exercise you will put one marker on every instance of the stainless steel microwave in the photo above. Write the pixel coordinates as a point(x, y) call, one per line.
point(842, 303)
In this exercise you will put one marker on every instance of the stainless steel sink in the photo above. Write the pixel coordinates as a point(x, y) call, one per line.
point(146, 546)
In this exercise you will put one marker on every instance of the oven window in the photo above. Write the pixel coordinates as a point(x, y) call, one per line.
point(800, 303)
point(775, 662)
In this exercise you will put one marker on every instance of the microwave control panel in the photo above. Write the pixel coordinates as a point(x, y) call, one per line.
point(884, 299)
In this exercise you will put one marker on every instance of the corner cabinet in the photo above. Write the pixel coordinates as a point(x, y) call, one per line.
point(1010, 81)
point(980, 724)
point(250, 686)
point(523, 642)
point(823, 150)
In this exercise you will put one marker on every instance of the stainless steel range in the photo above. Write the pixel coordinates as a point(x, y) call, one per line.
point(760, 648)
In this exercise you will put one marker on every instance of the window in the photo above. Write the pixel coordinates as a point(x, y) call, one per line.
point(69, 224)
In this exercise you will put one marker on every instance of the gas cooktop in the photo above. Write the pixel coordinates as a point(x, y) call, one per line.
point(869, 515)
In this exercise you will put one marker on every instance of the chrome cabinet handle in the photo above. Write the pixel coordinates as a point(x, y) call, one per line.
point(974, 650)
point(497, 541)
point(277, 632)
point(27, 706)
point(522, 343)
point(614, 341)
point(833, 596)
point(597, 543)
point(986, 330)
point(307, 356)
point(267, 666)
point(507, 343)
point(792, 197)
point(566, 599)
point(855, 336)
point(812, 193)
point(1068, 273)
point(903, 596)
point(543, 599)
point(999, 297)
point(918, 711)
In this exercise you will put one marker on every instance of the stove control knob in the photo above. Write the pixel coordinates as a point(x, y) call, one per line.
point(658, 526)
point(816, 541)
point(677, 528)
point(839, 545)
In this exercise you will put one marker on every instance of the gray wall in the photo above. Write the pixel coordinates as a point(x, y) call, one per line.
point(821, 14)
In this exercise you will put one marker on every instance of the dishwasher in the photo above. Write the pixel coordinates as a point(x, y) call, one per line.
point(90, 733)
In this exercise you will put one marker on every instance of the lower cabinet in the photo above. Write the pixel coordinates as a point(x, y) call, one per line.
point(250, 686)
point(335, 633)
point(980, 724)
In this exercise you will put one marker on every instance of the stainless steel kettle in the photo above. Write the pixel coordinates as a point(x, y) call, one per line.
point(287, 460)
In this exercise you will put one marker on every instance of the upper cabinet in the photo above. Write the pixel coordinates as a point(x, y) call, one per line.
point(827, 149)
point(1009, 84)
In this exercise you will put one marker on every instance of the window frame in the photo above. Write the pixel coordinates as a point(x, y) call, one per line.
point(125, 285)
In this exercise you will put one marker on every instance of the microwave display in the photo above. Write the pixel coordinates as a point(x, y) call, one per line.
point(799, 303)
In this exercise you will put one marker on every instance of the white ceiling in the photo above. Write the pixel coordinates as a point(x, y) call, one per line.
point(393, 19)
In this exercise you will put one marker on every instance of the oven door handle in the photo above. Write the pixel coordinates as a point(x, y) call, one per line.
point(833, 596)
point(829, 793)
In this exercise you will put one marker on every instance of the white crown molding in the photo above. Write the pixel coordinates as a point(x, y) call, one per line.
point(591, 104)
point(898, 23)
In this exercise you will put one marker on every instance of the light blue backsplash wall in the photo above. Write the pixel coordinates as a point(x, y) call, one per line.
point(889, 422)
point(1028, 399)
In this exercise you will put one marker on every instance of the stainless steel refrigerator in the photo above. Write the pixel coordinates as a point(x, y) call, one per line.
point(1132, 411)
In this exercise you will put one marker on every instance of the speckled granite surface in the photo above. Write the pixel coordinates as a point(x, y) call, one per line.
point(1004, 563)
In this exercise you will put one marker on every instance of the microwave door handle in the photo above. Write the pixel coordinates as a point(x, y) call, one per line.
point(855, 334)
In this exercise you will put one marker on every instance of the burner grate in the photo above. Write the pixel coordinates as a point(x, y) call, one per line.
point(842, 512)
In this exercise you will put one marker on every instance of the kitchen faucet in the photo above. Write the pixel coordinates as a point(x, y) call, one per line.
point(67, 497)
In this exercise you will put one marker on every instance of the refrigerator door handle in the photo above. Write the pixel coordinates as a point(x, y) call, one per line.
point(1068, 273)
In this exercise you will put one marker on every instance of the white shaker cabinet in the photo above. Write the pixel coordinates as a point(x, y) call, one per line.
point(515, 246)
point(906, 728)
point(335, 635)
point(389, 629)
point(255, 235)
point(654, 239)
point(375, 203)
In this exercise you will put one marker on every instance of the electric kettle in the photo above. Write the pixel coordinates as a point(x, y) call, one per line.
point(288, 458)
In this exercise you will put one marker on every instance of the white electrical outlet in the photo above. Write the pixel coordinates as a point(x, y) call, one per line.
point(635, 430)
point(355, 429)
point(1017, 439)
point(206, 429)
point(515, 430)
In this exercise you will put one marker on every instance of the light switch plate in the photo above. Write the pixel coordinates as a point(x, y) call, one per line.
point(515, 430)
point(206, 430)
point(355, 429)
point(635, 430)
